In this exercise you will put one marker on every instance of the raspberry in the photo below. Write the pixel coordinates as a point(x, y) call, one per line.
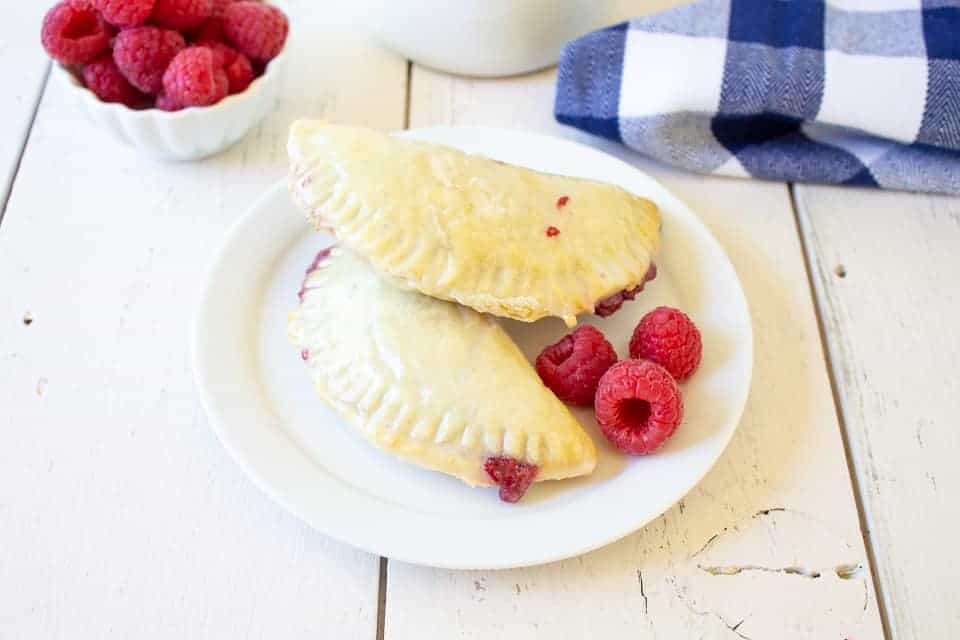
point(143, 54)
point(212, 27)
point(638, 406)
point(210, 31)
point(512, 476)
point(74, 33)
point(239, 73)
point(219, 6)
point(193, 78)
point(572, 367)
point(166, 103)
point(124, 13)
point(257, 30)
point(224, 54)
point(669, 338)
point(609, 306)
point(105, 80)
point(181, 14)
point(222, 84)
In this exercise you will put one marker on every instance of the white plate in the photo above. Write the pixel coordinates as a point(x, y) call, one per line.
point(261, 404)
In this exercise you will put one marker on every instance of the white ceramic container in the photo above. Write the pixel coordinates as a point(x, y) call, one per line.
point(486, 37)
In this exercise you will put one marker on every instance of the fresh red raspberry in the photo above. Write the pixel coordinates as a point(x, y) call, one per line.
point(222, 82)
point(183, 15)
point(257, 30)
point(224, 54)
point(125, 13)
point(239, 73)
point(210, 31)
point(669, 338)
point(105, 80)
point(512, 476)
point(212, 27)
point(219, 6)
point(572, 367)
point(73, 32)
point(638, 406)
point(143, 54)
point(166, 103)
point(609, 306)
point(193, 78)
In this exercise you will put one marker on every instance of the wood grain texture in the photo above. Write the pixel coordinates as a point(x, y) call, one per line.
point(23, 65)
point(885, 267)
point(121, 515)
point(769, 544)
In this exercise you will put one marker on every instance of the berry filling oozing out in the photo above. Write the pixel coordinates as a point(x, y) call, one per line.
point(324, 253)
point(609, 306)
point(512, 476)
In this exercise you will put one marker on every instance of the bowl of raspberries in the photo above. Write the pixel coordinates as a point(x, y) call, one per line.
point(179, 79)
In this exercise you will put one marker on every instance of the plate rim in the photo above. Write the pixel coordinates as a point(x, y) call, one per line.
point(385, 549)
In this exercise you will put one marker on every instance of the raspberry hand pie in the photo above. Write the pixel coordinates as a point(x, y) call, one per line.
point(499, 238)
point(434, 383)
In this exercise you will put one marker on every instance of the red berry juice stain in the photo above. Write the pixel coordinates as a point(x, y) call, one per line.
point(313, 267)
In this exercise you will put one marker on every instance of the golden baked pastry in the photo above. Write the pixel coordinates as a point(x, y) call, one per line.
point(499, 238)
point(433, 383)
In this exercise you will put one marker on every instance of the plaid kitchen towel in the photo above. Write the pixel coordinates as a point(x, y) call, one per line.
point(863, 92)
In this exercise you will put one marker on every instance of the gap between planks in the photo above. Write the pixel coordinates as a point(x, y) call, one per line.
point(838, 407)
point(26, 139)
point(406, 102)
point(382, 598)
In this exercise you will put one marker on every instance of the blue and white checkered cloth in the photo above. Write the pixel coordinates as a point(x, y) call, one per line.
point(862, 92)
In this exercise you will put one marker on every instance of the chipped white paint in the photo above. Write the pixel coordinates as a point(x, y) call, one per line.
point(23, 64)
point(736, 558)
point(886, 266)
point(121, 516)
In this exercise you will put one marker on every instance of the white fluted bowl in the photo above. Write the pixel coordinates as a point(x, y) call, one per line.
point(188, 134)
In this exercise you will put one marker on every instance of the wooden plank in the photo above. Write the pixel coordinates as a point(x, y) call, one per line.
point(769, 544)
point(23, 65)
point(121, 515)
point(885, 267)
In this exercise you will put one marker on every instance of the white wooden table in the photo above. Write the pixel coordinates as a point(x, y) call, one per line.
point(833, 514)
